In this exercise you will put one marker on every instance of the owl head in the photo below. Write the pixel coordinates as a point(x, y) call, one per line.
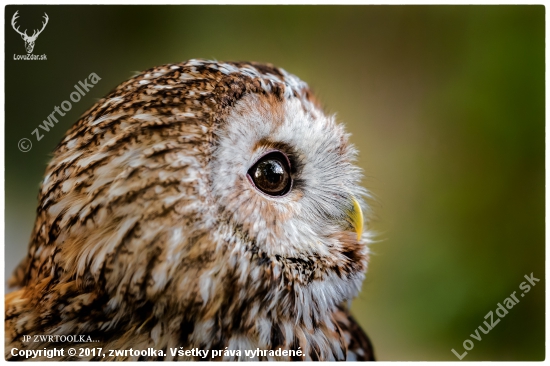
point(199, 189)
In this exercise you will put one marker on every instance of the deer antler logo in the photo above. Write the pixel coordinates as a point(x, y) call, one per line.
point(29, 41)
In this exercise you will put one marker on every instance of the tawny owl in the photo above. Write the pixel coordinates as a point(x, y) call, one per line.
point(199, 206)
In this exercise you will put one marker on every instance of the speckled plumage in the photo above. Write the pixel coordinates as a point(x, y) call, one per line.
point(148, 233)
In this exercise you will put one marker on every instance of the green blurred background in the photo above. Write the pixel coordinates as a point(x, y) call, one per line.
point(446, 105)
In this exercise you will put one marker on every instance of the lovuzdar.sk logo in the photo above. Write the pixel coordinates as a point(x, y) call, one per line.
point(29, 40)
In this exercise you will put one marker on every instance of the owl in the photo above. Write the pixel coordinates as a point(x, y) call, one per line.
point(201, 206)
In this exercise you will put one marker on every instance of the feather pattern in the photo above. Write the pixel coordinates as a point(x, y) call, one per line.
point(149, 234)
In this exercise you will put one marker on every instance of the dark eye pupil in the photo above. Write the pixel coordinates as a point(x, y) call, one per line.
point(271, 174)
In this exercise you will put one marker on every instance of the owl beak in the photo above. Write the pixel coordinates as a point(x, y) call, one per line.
point(356, 218)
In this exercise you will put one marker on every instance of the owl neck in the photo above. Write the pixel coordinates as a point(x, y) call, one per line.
point(283, 320)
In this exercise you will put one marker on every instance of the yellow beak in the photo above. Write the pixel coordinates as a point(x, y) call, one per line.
point(356, 218)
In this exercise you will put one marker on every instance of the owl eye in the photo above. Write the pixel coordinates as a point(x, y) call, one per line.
point(271, 174)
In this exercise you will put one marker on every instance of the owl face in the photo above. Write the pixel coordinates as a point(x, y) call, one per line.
point(307, 221)
point(307, 210)
point(205, 188)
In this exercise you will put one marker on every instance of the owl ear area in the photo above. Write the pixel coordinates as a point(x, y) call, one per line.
point(271, 174)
